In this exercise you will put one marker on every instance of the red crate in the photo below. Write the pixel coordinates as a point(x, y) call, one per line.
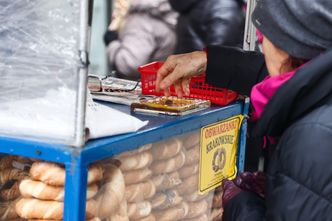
point(198, 88)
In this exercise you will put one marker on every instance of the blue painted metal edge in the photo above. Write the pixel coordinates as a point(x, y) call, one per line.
point(43, 151)
point(75, 190)
point(242, 139)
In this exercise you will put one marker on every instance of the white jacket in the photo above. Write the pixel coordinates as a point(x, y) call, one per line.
point(148, 34)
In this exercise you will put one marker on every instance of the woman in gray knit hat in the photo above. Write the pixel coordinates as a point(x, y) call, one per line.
point(292, 109)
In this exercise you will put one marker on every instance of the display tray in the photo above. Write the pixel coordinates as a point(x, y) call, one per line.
point(172, 106)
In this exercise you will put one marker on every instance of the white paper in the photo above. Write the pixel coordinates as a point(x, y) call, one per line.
point(124, 99)
point(103, 121)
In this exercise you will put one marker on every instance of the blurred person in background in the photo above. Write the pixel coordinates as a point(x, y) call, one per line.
point(208, 22)
point(291, 95)
point(146, 33)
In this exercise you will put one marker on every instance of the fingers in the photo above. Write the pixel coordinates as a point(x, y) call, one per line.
point(185, 86)
point(171, 78)
point(167, 92)
point(165, 70)
point(177, 70)
point(178, 89)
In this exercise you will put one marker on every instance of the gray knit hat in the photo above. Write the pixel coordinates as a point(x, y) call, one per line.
point(302, 28)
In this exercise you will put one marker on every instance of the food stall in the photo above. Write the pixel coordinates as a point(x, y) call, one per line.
point(170, 168)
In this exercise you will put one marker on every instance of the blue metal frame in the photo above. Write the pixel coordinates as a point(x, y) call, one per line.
point(76, 161)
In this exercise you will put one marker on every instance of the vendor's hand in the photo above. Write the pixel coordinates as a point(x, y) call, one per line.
point(178, 69)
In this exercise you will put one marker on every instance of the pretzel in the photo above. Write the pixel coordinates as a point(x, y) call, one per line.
point(141, 191)
point(94, 219)
point(217, 200)
point(7, 211)
point(135, 152)
point(166, 149)
point(7, 175)
point(112, 193)
point(192, 139)
point(175, 213)
point(54, 175)
point(170, 165)
point(166, 200)
point(36, 189)
point(6, 162)
point(197, 209)
point(137, 176)
point(189, 185)
point(122, 213)
point(38, 209)
point(148, 218)
point(194, 196)
point(192, 156)
point(216, 214)
point(135, 162)
point(10, 193)
point(188, 171)
point(139, 210)
point(166, 181)
point(203, 217)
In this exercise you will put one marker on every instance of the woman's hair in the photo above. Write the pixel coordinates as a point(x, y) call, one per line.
point(292, 63)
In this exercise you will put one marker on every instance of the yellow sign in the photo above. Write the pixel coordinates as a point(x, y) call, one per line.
point(219, 144)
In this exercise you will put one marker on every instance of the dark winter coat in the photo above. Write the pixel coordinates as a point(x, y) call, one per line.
point(208, 22)
point(299, 174)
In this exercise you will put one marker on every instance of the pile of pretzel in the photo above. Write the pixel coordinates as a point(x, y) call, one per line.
point(207, 207)
point(43, 193)
point(157, 182)
point(12, 171)
point(135, 166)
point(169, 158)
point(162, 182)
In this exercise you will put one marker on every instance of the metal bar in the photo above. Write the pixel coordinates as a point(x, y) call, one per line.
point(82, 75)
point(243, 136)
point(75, 190)
point(249, 42)
point(242, 146)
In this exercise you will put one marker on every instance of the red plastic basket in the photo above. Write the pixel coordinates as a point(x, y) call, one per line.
point(198, 88)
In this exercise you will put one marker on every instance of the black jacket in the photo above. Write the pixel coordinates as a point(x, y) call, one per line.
point(299, 174)
point(208, 22)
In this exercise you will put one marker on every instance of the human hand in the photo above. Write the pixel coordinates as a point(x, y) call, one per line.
point(246, 181)
point(230, 190)
point(178, 69)
point(253, 182)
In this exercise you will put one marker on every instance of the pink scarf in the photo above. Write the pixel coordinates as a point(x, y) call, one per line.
point(263, 91)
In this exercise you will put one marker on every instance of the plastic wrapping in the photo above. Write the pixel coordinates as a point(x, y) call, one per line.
point(39, 69)
point(12, 171)
point(158, 182)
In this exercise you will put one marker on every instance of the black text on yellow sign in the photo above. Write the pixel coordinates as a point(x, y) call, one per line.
point(218, 151)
